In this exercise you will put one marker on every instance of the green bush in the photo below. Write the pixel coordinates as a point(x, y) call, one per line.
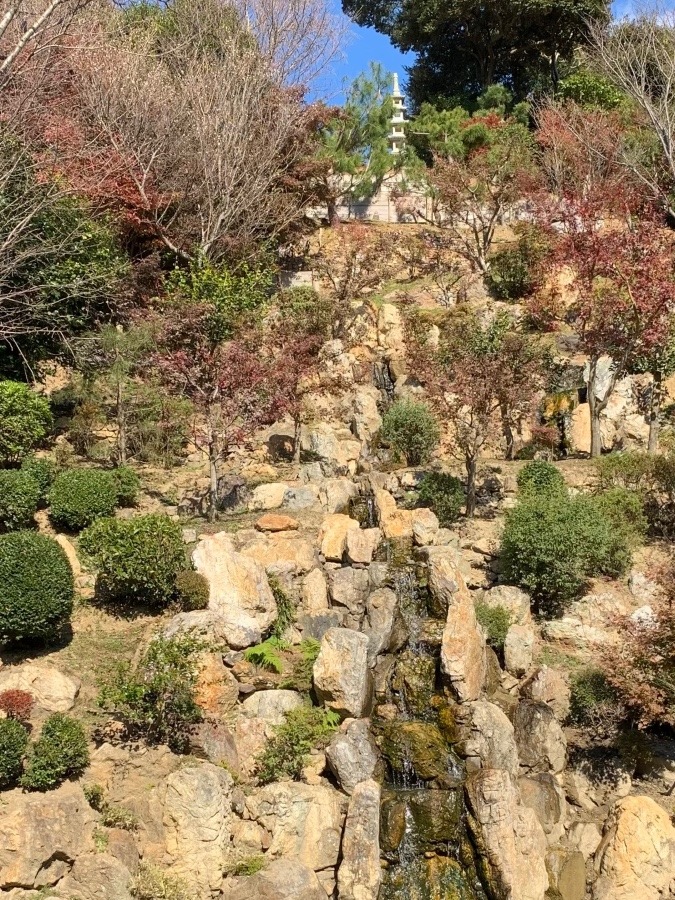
point(42, 470)
point(496, 621)
point(80, 496)
point(25, 420)
point(36, 587)
point(127, 484)
point(411, 430)
point(592, 698)
point(624, 511)
point(304, 729)
point(512, 270)
point(552, 544)
point(444, 494)
point(13, 743)
point(541, 479)
point(192, 590)
point(156, 701)
point(19, 498)
point(311, 312)
point(631, 470)
point(137, 559)
point(60, 752)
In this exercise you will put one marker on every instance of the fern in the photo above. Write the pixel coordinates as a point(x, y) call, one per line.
point(285, 609)
point(266, 655)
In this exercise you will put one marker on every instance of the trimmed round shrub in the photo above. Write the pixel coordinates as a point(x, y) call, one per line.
point(36, 587)
point(60, 752)
point(192, 590)
point(552, 544)
point(411, 430)
point(17, 704)
point(127, 483)
point(80, 496)
point(25, 420)
point(444, 494)
point(13, 743)
point(540, 478)
point(42, 470)
point(19, 498)
point(137, 559)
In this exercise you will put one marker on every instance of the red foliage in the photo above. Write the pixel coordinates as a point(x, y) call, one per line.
point(17, 704)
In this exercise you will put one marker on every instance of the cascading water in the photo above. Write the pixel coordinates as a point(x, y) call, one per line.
point(423, 834)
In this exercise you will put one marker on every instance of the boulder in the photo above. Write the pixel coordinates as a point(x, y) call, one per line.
point(271, 705)
point(52, 690)
point(541, 743)
point(567, 874)
point(396, 524)
point(215, 741)
point(314, 592)
point(275, 522)
point(349, 588)
point(217, 690)
point(445, 570)
point(511, 839)
point(384, 628)
point(367, 420)
point(282, 553)
point(352, 754)
point(543, 794)
point(333, 535)
point(41, 835)
point(636, 857)
point(317, 624)
point(281, 879)
point(304, 821)
point(584, 837)
point(424, 527)
point(463, 649)
point(488, 740)
point(342, 678)
point(519, 649)
point(390, 332)
point(97, 876)
point(551, 687)
point(267, 496)
point(205, 624)
point(250, 738)
point(362, 544)
point(197, 823)
point(336, 494)
point(511, 598)
point(359, 874)
point(238, 590)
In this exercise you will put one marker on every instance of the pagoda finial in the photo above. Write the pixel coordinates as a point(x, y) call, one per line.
point(397, 91)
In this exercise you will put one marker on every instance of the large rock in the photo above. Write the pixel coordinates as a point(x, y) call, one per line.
point(281, 879)
point(519, 650)
point(333, 535)
point(584, 837)
point(314, 592)
point(349, 589)
point(205, 624)
point(271, 705)
point(276, 522)
point(97, 876)
point(362, 544)
point(543, 794)
point(304, 821)
point(512, 599)
point(463, 649)
point(359, 874)
point(197, 822)
point(367, 420)
point(396, 524)
point(551, 687)
point(238, 590)
point(567, 874)
point(424, 526)
point(636, 858)
point(335, 494)
point(41, 835)
point(52, 690)
point(384, 626)
point(510, 838)
point(217, 690)
point(541, 743)
point(267, 496)
point(352, 754)
point(488, 741)
point(342, 676)
point(285, 553)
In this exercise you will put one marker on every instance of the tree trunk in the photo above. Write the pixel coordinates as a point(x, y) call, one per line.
point(333, 217)
point(471, 466)
point(655, 412)
point(121, 426)
point(596, 406)
point(507, 431)
point(296, 440)
point(213, 473)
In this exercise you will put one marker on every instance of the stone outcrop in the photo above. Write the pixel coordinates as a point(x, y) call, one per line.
point(463, 649)
point(52, 690)
point(333, 535)
point(352, 754)
point(281, 879)
point(362, 544)
point(551, 687)
point(97, 876)
point(396, 524)
point(509, 835)
point(511, 598)
point(267, 496)
point(636, 857)
point(424, 526)
point(543, 794)
point(541, 743)
point(238, 590)
point(383, 626)
point(359, 874)
point(282, 553)
point(489, 741)
point(519, 650)
point(342, 678)
point(271, 705)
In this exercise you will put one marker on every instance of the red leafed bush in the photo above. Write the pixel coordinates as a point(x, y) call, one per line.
point(17, 704)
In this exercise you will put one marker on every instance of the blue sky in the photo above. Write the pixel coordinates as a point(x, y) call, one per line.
point(366, 45)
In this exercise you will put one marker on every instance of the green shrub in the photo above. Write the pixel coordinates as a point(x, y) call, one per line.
point(303, 667)
point(305, 308)
point(247, 865)
point(127, 484)
point(151, 883)
point(512, 273)
point(137, 559)
point(80, 496)
point(592, 698)
point(192, 590)
point(13, 743)
point(540, 478)
point(496, 621)
point(36, 587)
point(631, 470)
point(156, 700)
point(42, 470)
point(60, 752)
point(19, 498)
point(444, 494)
point(266, 655)
point(552, 544)
point(411, 430)
point(304, 729)
point(25, 420)
point(624, 511)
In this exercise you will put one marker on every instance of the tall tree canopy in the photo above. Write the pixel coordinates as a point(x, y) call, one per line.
point(464, 46)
